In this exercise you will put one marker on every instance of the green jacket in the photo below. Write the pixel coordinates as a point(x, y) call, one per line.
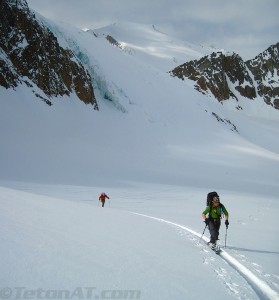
point(216, 212)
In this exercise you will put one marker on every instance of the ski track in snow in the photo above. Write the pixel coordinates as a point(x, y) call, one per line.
point(262, 289)
point(222, 274)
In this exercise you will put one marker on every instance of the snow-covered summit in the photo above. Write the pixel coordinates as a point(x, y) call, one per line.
point(149, 43)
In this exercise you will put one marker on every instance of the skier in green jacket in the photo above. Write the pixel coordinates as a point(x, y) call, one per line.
point(215, 211)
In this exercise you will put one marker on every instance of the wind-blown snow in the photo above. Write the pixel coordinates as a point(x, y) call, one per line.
point(156, 147)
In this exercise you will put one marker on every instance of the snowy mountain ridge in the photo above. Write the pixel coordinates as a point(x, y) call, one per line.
point(243, 78)
point(144, 42)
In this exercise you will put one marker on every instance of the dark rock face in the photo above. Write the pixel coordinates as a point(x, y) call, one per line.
point(227, 76)
point(265, 68)
point(30, 53)
point(114, 42)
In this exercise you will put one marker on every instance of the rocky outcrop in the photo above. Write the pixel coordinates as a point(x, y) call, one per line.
point(113, 41)
point(227, 76)
point(31, 54)
point(265, 68)
point(214, 72)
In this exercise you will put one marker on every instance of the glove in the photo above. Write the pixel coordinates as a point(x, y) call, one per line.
point(227, 223)
point(206, 221)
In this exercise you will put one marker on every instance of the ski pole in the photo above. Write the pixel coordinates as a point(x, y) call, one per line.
point(226, 236)
point(203, 233)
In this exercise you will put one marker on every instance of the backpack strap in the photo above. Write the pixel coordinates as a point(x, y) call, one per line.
point(210, 209)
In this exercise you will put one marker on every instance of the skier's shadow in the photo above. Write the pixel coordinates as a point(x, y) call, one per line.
point(252, 250)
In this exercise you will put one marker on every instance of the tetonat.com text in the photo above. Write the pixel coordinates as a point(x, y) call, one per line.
point(76, 293)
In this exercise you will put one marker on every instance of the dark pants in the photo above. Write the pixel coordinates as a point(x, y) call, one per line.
point(214, 226)
point(103, 203)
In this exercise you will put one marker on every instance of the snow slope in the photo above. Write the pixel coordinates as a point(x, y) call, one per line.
point(65, 245)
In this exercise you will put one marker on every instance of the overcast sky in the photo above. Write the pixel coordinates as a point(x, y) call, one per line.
point(247, 27)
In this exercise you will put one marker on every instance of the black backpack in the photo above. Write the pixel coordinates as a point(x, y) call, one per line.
point(209, 200)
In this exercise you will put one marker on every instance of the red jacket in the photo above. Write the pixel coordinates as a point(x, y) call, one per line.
point(103, 197)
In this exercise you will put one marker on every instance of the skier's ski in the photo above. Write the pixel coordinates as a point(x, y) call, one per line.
point(216, 249)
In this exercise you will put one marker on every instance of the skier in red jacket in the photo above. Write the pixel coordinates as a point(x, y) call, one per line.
point(103, 198)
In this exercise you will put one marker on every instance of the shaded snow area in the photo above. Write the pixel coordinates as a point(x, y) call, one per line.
point(144, 244)
point(156, 147)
